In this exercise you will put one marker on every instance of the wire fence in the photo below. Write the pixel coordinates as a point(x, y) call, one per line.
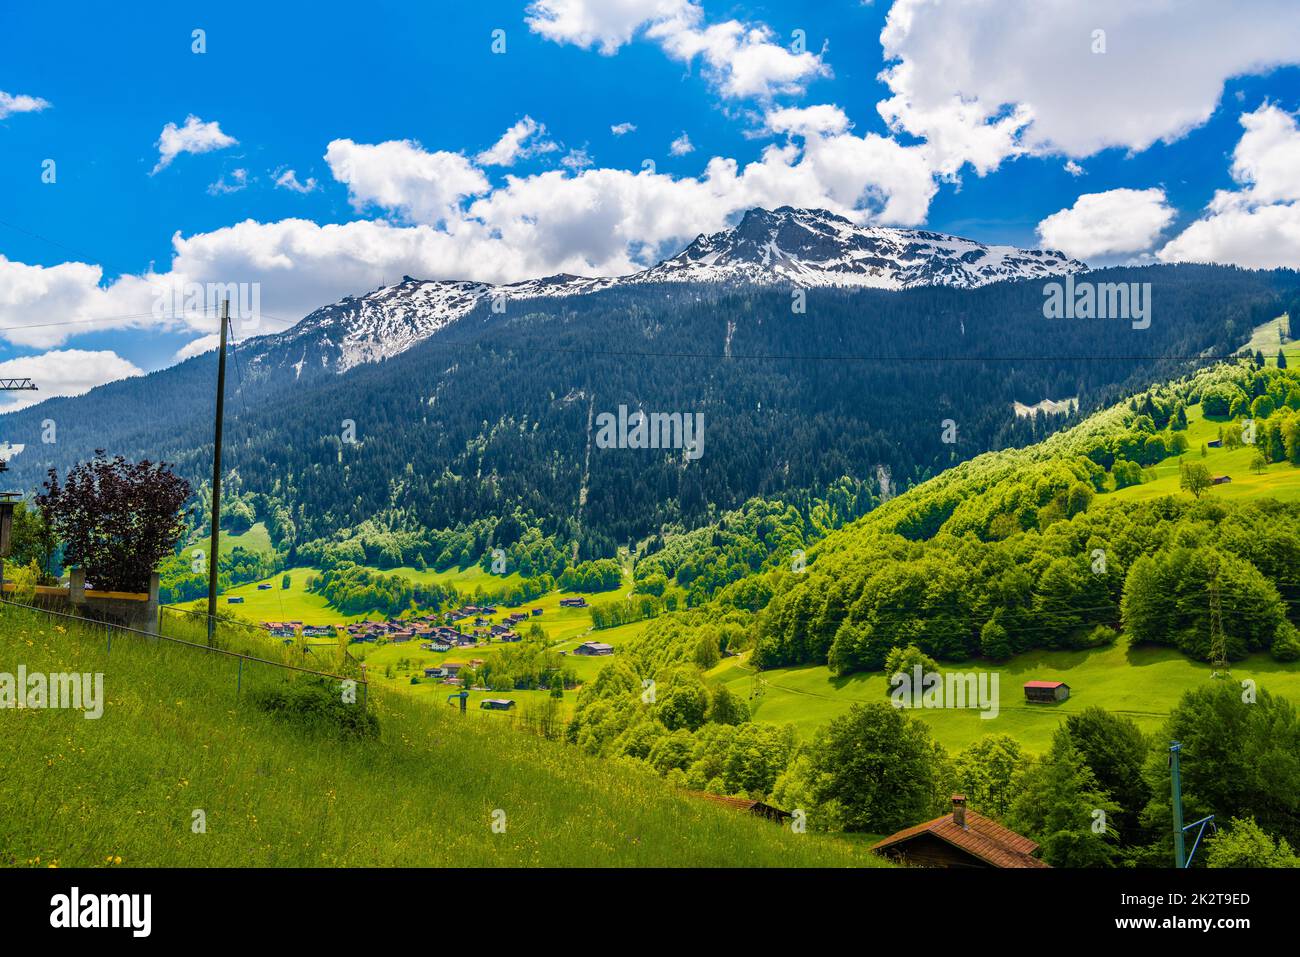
point(259, 662)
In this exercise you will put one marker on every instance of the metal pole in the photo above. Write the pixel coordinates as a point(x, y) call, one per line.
point(216, 478)
point(1176, 793)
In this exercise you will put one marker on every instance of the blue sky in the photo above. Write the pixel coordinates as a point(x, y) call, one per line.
point(1005, 123)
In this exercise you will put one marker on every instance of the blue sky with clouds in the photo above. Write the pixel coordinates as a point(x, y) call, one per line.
point(324, 150)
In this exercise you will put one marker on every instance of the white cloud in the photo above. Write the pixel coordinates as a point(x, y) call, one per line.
point(1263, 238)
point(1100, 224)
point(514, 144)
point(66, 372)
point(622, 129)
point(806, 121)
point(607, 24)
point(71, 291)
point(195, 136)
point(1266, 160)
point(576, 160)
point(740, 59)
point(288, 179)
point(11, 103)
point(681, 146)
point(1257, 226)
point(401, 176)
point(237, 180)
point(198, 347)
point(982, 81)
point(1074, 169)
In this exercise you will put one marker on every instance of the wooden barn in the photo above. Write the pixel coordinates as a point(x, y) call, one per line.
point(961, 839)
point(497, 704)
point(1046, 691)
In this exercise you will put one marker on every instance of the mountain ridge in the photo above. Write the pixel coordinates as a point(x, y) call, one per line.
point(805, 248)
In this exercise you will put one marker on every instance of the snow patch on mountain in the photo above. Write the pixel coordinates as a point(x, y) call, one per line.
point(784, 247)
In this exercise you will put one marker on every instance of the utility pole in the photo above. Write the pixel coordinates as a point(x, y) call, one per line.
point(1176, 796)
point(215, 544)
point(1183, 858)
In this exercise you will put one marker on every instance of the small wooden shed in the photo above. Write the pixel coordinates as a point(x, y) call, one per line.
point(1046, 691)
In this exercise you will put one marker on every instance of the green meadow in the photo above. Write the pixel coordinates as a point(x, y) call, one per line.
point(294, 603)
point(1142, 683)
point(1281, 480)
point(175, 739)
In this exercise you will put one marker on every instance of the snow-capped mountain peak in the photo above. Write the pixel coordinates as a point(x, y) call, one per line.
point(813, 247)
point(784, 246)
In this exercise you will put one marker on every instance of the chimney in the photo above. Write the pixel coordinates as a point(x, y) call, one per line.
point(959, 810)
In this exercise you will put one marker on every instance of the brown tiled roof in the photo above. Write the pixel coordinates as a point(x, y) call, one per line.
point(739, 803)
point(982, 837)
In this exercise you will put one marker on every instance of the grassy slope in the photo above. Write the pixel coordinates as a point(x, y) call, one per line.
point(1144, 683)
point(297, 604)
point(174, 738)
point(1279, 480)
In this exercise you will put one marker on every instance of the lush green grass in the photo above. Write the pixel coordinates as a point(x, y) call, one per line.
point(466, 580)
point(294, 603)
point(1267, 338)
point(174, 738)
point(1143, 683)
point(1281, 480)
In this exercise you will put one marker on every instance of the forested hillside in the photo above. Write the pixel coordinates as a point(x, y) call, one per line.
point(492, 415)
point(1023, 549)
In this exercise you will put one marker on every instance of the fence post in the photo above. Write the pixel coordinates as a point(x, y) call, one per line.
point(239, 679)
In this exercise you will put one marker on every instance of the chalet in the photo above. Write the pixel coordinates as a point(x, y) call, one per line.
point(452, 668)
point(481, 622)
point(265, 586)
point(509, 636)
point(594, 648)
point(1214, 444)
point(960, 839)
point(745, 805)
point(1046, 691)
point(435, 646)
point(537, 612)
point(434, 672)
point(578, 602)
point(318, 631)
point(497, 704)
point(235, 600)
point(1221, 479)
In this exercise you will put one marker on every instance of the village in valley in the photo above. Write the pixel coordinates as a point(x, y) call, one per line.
point(428, 649)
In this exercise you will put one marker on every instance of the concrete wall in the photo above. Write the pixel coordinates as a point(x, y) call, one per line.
point(131, 610)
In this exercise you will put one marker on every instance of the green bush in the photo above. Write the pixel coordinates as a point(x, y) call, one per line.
point(1286, 644)
point(317, 705)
